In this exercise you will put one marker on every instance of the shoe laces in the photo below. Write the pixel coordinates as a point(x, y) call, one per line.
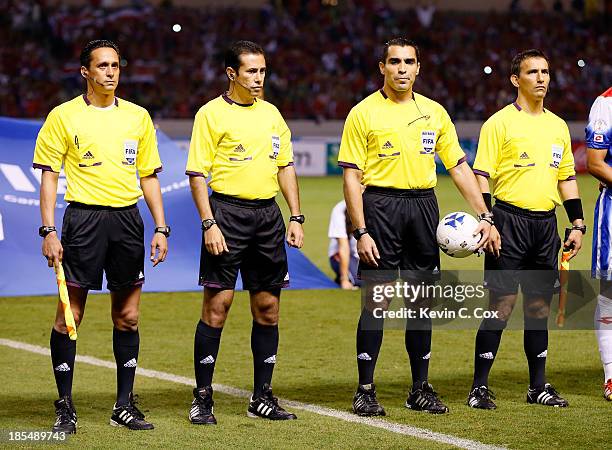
point(430, 395)
point(66, 410)
point(369, 397)
point(268, 399)
point(485, 392)
point(132, 408)
point(608, 384)
point(204, 401)
point(551, 390)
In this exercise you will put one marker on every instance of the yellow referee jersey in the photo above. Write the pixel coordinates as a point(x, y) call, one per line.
point(240, 146)
point(526, 155)
point(101, 149)
point(394, 144)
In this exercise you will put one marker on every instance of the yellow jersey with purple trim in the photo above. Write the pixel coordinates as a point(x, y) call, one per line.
point(240, 146)
point(394, 144)
point(526, 156)
point(102, 150)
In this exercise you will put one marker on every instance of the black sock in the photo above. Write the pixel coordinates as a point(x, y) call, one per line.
point(535, 342)
point(418, 345)
point(63, 352)
point(125, 348)
point(369, 340)
point(264, 344)
point(205, 351)
point(487, 343)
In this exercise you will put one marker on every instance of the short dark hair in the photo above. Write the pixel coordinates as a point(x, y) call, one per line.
point(232, 54)
point(515, 66)
point(92, 45)
point(401, 42)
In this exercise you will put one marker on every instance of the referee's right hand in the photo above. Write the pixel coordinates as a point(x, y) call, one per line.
point(368, 253)
point(214, 241)
point(52, 249)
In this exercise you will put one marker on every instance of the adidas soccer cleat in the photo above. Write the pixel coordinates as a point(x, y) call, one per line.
point(365, 402)
point(201, 412)
point(129, 416)
point(425, 399)
point(266, 407)
point(547, 397)
point(481, 398)
point(607, 390)
point(65, 416)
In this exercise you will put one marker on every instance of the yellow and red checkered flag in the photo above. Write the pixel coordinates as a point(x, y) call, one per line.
point(65, 301)
point(563, 279)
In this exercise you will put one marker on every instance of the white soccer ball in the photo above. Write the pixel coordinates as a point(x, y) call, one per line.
point(455, 234)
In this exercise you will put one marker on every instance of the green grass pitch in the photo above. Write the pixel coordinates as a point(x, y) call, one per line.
point(316, 365)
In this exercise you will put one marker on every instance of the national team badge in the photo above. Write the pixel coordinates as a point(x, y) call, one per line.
point(600, 126)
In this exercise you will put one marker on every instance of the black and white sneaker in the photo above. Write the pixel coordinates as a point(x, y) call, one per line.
point(201, 412)
point(130, 416)
point(547, 396)
point(365, 402)
point(425, 399)
point(266, 406)
point(481, 397)
point(65, 416)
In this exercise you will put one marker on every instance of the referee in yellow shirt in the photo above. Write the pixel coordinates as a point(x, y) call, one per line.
point(527, 151)
point(244, 145)
point(388, 145)
point(103, 143)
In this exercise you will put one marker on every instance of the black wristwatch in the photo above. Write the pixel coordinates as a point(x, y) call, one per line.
point(486, 216)
point(298, 219)
point(45, 230)
point(163, 230)
point(207, 223)
point(359, 232)
point(581, 228)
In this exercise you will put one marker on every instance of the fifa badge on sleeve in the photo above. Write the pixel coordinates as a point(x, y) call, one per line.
point(130, 151)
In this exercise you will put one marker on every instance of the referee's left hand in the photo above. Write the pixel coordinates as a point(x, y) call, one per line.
point(159, 248)
point(483, 227)
point(295, 234)
point(574, 241)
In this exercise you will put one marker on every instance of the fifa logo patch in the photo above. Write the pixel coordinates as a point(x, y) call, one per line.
point(275, 147)
point(130, 151)
point(428, 142)
point(557, 153)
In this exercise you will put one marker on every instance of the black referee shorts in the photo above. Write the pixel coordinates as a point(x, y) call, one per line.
point(529, 252)
point(254, 232)
point(403, 224)
point(101, 238)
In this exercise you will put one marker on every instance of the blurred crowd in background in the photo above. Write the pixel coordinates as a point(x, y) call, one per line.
point(322, 59)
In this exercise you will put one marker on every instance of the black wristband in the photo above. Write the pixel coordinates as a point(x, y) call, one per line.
point(573, 208)
point(359, 232)
point(486, 196)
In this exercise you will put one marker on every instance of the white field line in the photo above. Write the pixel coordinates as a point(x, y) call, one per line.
point(407, 430)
